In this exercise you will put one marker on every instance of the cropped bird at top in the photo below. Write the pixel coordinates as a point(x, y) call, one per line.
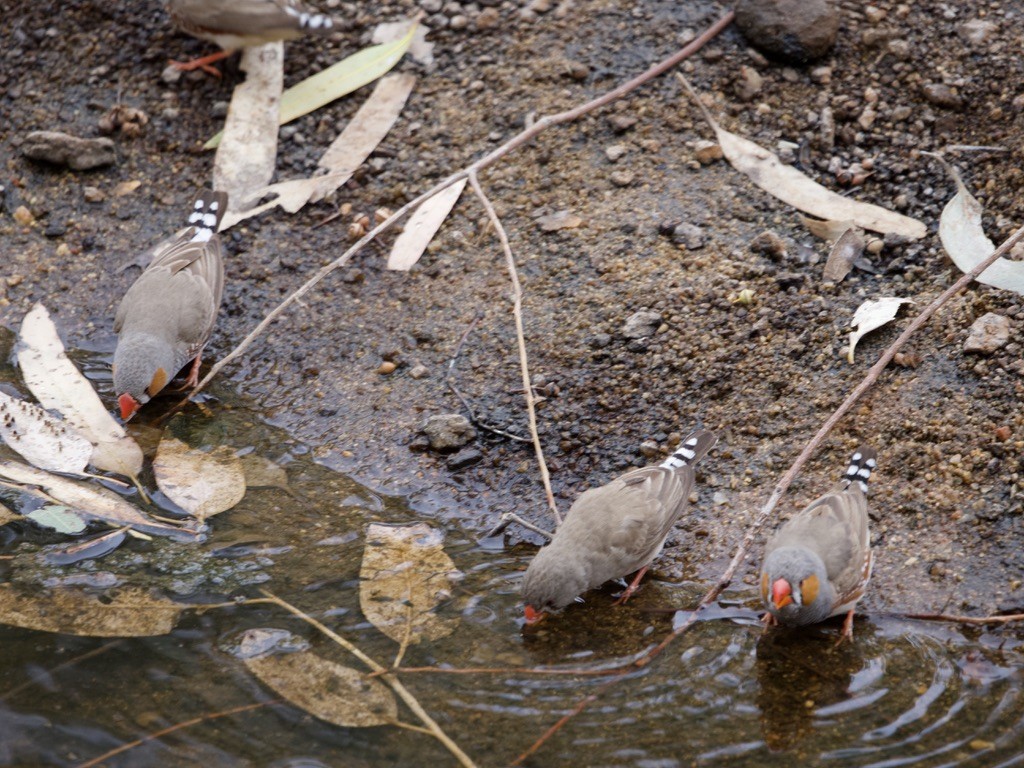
point(818, 564)
point(234, 24)
point(168, 314)
point(613, 531)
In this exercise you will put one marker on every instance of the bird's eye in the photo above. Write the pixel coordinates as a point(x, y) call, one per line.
point(809, 589)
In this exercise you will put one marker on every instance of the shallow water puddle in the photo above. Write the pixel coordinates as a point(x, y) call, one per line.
point(903, 693)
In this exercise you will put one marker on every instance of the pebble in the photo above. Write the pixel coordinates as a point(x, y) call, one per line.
point(615, 152)
point(23, 216)
point(448, 431)
point(689, 236)
point(797, 31)
point(622, 178)
point(621, 123)
point(649, 449)
point(386, 367)
point(467, 457)
point(641, 324)
point(769, 244)
point(707, 152)
point(749, 83)
point(988, 333)
point(977, 32)
point(64, 149)
point(419, 371)
point(941, 95)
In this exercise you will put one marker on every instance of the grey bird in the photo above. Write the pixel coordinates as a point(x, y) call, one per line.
point(613, 531)
point(168, 314)
point(818, 564)
point(234, 24)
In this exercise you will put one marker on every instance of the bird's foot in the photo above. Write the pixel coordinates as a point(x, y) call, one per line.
point(193, 376)
point(203, 63)
point(847, 633)
point(634, 585)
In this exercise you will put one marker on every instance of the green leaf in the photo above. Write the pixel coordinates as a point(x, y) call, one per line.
point(338, 80)
point(60, 518)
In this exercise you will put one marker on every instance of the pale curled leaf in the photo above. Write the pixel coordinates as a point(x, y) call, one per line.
point(361, 136)
point(338, 80)
point(97, 503)
point(846, 250)
point(873, 314)
point(405, 575)
point(392, 31)
point(964, 239)
point(336, 694)
point(201, 483)
point(40, 439)
point(803, 193)
point(247, 154)
point(58, 518)
point(826, 229)
point(422, 227)
point(58, 385)
point(125, 612)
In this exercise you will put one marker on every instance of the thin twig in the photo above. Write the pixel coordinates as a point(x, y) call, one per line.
point(386, 676)
point(506, 671)
point(511, 517)
point(449, 379)
point(404, 645)
point(954, 619)
point(61, 667)
point(786, 480)
point(489, 159)
point(171, 729)
point(524, 366)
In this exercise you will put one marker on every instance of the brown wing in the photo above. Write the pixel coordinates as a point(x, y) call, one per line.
point(241, 17)
point(624, 524)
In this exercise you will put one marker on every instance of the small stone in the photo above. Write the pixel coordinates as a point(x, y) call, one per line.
point(419, 371)
point(622, 178)
point(867, 118)
point(749, 83)
point(707, 152)
point(769, 244)
point(941, 95)
point(386, 367)
point(93, 195)
point(797, 31)
point(641, 324)
point(874, 14)
point(559, 220)
point(467, 457)
point(988, 333)
point(649, 449)
point(1003, 434)
point(63, 149)
point(55, 229)
point(821, 75)
point(488, 18)
point(448, 431)
point(689, 236)
point(977, 32)
point(577, 70)
point(171, 74)
point(219, 110)
point(900, 49)
point(600, 340)
point(615, 152)
point(621, 123)
point(23, 216)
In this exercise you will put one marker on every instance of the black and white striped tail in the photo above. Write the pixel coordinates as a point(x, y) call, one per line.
point(862, 463)
point(208, 209)
point(309, 21)
point(693, 448)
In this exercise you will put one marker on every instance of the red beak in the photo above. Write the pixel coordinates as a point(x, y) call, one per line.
point(533, 616)
point(782, 594)
point(129, 405)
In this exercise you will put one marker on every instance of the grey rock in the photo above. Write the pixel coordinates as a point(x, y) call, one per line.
point(977, 32)
point(748, 84)
point(793, 30)
point(63, 149)
point(467, 457)
point(688, 235)
point(641, 324)
point(989, 333)
point(448, 431)
point(941, 95)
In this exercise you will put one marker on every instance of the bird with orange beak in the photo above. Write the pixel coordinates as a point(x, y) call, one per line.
point(818, 564)
point(613, 531)
point(168, 314)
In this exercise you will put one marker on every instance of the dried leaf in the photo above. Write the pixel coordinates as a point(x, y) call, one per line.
point(91, 549)
point(6, 516)
point(964, 239)
point(58, 518)
point(847, 249)
point(127, 612)
point(404, 576)
point(247, 154)
point(336, 694)
point(794, 188)
point(361, 136)
point(422, 226)
point(96, 503)
point(41, 440)
point(201, 483)
point(125, 188)
point(58, 385)
point(261, 472)
point(338, 80)
point(826, 230)
point(559, 220)
point(419, 49)
point(873, 314)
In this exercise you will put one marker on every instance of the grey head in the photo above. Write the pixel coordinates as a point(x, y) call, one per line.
point(554, 579)
point(143, 364)
point(795, 586)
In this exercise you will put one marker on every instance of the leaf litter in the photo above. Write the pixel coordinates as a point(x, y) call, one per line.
point(790, 186)
point(848, 248)
point(40, 439)
point(405, 575)
point(871, 315)
point(203, 483)
point(422, 226)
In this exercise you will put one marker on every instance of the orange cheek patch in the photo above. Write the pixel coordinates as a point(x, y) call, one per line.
point(764, 586)
point(809, 589)
point(159, 382)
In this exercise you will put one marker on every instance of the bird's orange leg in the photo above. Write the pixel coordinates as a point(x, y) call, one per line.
point(768, 620)
point(847, 629)
point(202, 63)
point(193, 375)
point(634, 585)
